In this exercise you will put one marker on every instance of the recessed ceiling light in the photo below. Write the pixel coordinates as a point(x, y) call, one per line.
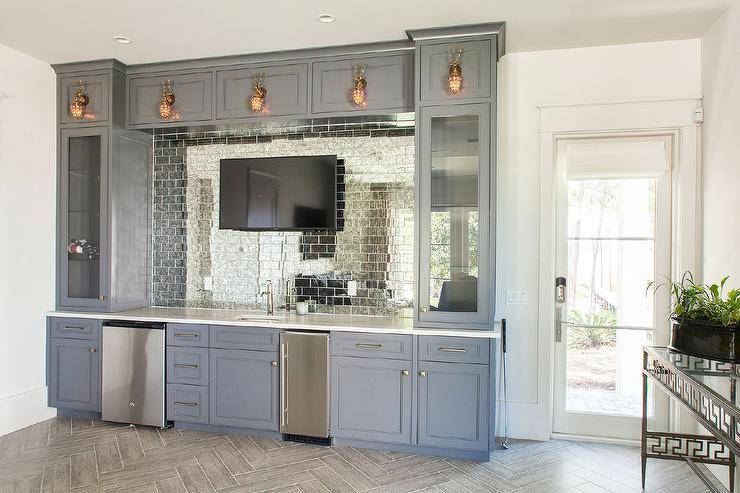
point(326, 18)
point(122, 39)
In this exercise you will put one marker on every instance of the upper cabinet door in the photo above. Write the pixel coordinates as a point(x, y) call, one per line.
point(454, 181)
point(193, 99)
point(434, 64)
point(390, 84)
point(287, 91)
point(97, 90)
point(83, 240)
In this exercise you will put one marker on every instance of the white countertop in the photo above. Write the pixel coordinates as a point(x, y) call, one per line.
point(282, 320)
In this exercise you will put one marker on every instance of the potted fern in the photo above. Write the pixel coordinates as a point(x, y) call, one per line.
point(704, 322)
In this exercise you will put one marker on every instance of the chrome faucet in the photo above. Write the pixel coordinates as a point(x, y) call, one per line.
point(270, 299)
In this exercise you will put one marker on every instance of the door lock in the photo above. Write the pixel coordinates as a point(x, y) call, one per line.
point(560, 290)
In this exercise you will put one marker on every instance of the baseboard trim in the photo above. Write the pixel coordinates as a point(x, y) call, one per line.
point(589, 438)
point(24, 409)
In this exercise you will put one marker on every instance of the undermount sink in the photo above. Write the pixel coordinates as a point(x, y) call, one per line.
point(258, 318)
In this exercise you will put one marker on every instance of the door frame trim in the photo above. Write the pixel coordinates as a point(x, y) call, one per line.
point(558, 121)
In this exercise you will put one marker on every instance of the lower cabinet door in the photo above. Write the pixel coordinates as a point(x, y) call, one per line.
point(74, 374)
point(371, 399)
point(453, 405)
point(244, 389)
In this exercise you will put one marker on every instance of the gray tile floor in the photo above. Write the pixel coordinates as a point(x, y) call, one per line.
point(84, 456)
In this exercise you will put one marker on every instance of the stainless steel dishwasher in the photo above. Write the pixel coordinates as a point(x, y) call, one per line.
point(304, 384)
point(133, 373)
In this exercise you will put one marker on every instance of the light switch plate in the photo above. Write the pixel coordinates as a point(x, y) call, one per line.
point(352, 288)
point(517, 298)
point(208, 283)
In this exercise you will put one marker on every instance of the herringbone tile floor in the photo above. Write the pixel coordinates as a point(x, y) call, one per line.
point(83, 456)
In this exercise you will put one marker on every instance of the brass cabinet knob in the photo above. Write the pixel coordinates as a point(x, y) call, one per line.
point(424, 309)
point(101, 297)
point(405, 373)
point(92, 349)
point(274, 363)
point(422, 373)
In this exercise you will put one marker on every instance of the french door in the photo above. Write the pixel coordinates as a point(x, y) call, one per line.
point(613, 239)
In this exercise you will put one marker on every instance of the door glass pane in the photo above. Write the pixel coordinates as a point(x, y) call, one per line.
point(83, 217)
point(611, 260)
point(453, 260)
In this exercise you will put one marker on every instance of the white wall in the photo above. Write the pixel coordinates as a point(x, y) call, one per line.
point(27, 205)
point(646, 71)
point(720, 53)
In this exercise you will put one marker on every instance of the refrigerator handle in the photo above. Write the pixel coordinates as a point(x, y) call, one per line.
point(283, 384)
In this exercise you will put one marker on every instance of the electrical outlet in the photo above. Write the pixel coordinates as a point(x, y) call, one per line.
point(517, 298)
point(208, 283)
point(352, 288)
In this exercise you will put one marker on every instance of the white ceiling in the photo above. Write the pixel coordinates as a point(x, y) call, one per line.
point(61, 31)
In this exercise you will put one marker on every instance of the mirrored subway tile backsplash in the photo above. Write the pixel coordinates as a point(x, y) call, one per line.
point(196, 264)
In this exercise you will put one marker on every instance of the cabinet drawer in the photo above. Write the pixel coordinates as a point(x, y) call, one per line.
point(97, 88)
point(454, 349)
point(371, 345)
point(287, 91)
point(187, 335)
point(390, 84)
point(476, 70)
point(193, 98)
point(187, 403)
point(187, 365)
point(253, 338)
point(75, 328)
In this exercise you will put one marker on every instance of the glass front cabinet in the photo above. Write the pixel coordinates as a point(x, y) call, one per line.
point(103, 199)
point(455, 177)
point(453, 215)
point(82, 228)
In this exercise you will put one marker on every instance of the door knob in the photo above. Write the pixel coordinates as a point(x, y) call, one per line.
point(422, 373)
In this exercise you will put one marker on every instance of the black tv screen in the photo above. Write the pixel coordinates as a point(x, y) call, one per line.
point(278, 193)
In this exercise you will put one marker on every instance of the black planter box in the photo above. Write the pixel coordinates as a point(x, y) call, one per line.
point(706, 339)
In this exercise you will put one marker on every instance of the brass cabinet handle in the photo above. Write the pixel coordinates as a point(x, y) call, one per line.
point(405, 373)
point(187, 404)
point(422, 373)
point(363, 345)
point(92, 349)
point(186, 334)
point(273, 363)
point(178, 365)
point(453, 349)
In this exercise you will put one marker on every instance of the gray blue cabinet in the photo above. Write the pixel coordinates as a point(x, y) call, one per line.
point(102, 182)
point(454, 183)
point(390, 84)
point(371, 399)
point(476, 58)
point(74, 374)
point(96, 86)
point(193, 99)
point(453, 404)
point(244, 389)
point(287, 91)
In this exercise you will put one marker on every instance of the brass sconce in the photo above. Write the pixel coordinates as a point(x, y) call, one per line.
point(455, 75)
point(168, 100)
point(359, 90)
point(79, 102)
point(259, 93)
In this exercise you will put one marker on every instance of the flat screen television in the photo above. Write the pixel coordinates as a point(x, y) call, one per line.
point(278, 193)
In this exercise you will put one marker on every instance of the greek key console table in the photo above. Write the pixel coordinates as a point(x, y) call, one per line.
point(707, 388)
